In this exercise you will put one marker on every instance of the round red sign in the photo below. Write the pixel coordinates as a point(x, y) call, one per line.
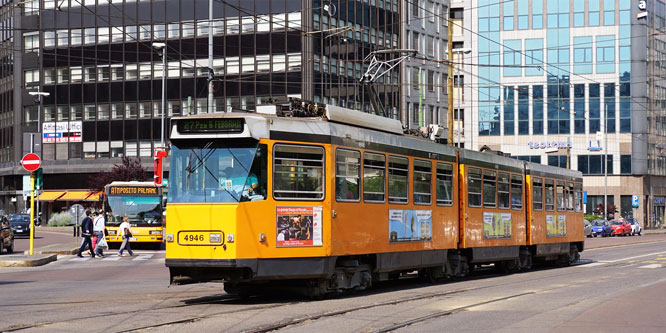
point(31, 162)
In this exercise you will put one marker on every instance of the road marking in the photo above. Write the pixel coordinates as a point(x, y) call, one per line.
point(651, 266)
point(80, 259)
point(143, 257)
point(591, 264)
point(114, 258)
point(623, 259)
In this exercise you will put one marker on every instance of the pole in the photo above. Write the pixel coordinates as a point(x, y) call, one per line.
point(164, 50)
point(459, 123)
point(605, 160)
point(32, 210)
point(210, 55)
point(450, 83)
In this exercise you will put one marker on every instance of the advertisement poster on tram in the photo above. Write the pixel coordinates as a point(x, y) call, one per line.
point(556, 225)
point(409, 225)
point(496, 225)
point(299, 226)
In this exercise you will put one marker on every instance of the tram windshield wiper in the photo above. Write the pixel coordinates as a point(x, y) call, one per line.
point(201, 162)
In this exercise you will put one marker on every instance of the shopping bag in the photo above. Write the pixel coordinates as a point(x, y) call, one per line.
point(102, 244)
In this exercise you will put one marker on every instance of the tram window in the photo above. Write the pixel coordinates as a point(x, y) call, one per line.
point(374, 173)
point(569, 197)
point(398, 179)
point(578, 194)
point(503, 194)
point(537, 194)
point(561, 205)
point(422, 182)
point(550, 195)
point(517, 192)
point(347, 175)
point(298, 172)
point(489, 189)
point(444, 184)
point(474, 187)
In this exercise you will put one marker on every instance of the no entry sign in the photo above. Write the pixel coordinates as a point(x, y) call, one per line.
point(31, 162)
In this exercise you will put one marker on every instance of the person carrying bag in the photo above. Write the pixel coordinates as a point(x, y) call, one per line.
point(86, 232)
point(126, 233)
point(98, 228)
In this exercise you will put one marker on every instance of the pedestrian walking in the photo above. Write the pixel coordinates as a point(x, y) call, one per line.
point(98, 229)
point(125, 232)
point(87, 233)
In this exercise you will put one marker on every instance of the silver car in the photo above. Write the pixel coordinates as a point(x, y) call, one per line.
point(588, 229)
point(635, 226)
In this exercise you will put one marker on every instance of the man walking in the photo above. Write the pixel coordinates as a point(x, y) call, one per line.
point(86, 232)
point(98, 229)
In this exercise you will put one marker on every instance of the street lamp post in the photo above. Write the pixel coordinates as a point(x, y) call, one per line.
point(39, 95)
point(605, 160)
point(161, 49)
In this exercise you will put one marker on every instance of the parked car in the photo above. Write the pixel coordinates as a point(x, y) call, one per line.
point(635, 226)
point(588, 229)
point(6, 237)
point(601, 228)
point(620, 227)
point(20, 224)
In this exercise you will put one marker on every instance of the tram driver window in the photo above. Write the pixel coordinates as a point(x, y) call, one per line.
point(503, 190)
point(489, 189)
point(569, 197)
point(474, 187)
point(517, 192)
point(257, 178)
point(537, 194)
point(579, 197)
point(347, 175)
point(398, 179)
point(444, 184)
point(550, 195)
point(422, 182)
point(561, 202)
point(298, 172)
point(374, 177)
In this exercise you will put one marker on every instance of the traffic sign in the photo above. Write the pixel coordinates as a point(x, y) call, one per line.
point(76, 210)
point(31, 162)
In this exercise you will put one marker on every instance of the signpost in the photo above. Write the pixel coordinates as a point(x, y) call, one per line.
point(76, 211)
point(31, 162)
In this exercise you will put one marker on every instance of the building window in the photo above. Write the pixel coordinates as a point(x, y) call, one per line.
point(29, 114)
point(50, 76)
point(523, 110)
point(609, 12)
point(76, 112)
point(583, 55)
point(89, 36)
point(593, 13)
point(625, 164)
point(431, 80)
point(593, 164)
point(579, 108)
point(103, 35)
point(76, 37)
point(606, 54)
point(609, 106)
point(594, 107)
point(512, 58)
point(534, 57)
point(508, 14)
point(537, 14)
point(63, 75)
point(509, 110)
point(31, 77)
point(625, 107)
point(557, 161)
point(31, 41)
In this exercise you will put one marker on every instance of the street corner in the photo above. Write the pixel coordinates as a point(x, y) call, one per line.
point(19, 260)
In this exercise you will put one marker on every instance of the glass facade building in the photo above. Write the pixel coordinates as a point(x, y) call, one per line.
point(96, 61)
point(556, 78)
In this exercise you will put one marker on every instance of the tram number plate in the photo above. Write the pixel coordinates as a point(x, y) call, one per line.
point(200, 237)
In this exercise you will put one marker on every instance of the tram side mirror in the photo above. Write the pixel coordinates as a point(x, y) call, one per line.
point(158, 162)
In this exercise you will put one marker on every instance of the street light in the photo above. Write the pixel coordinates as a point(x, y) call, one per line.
point(39, 95)
point(605, 160)
point(460, 51)
point(161, 51)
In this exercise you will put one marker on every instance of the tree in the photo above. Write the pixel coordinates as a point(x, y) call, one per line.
point(130, 169)
point(599, 209)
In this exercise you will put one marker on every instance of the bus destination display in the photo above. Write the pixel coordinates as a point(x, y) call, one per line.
point(133, 190)
point(234, 125)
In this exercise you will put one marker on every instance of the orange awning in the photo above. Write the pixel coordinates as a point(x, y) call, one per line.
point(94, 196)
point(50, 195)
point(74, 196)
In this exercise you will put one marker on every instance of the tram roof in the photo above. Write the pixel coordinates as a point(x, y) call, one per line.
point(543, 170)
point(490, 160)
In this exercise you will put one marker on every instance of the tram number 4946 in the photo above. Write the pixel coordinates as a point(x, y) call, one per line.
point(194, 238)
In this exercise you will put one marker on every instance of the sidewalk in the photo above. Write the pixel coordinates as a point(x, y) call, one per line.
point(41, 256)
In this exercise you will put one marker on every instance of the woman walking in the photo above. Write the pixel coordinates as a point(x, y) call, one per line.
point(125, 232)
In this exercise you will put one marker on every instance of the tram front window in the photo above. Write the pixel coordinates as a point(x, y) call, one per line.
point(141, 211)
point(210, 173)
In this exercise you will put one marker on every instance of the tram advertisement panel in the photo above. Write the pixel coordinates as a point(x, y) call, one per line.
point(496, 225)
point(409, 225)
point(299, 226)
point(556, 225)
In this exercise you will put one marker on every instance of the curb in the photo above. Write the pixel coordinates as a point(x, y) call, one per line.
point(30, 261)
point(56, 249)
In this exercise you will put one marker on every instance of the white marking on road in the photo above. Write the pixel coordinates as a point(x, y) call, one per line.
point(651, 266)
point(113, 258)
point(594, 264)
point(80, 259)
point(623, 259)
point(143, 257)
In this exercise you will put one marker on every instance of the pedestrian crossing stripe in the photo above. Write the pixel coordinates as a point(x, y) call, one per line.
point(651, 266)
point(116, 258)
point(140, 257)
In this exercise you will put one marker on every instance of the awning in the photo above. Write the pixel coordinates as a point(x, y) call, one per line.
point(94, 196)
point(50, 195)
point(74, 196)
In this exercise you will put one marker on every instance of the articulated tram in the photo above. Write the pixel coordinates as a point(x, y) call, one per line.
point(342, 199)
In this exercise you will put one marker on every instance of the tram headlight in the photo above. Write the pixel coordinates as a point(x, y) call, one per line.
point(230, 238)
point(169, 238)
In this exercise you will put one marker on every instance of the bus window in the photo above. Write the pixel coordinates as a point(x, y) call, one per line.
point(489, 189)
point(537, 194)
point(347, 175)
point(561, 205)
point(579, 197)
point(550, 195)
point(298, 172)
point(517, 192)
point(503, 196)
point(444, 184)
point(569, 197)
point(398, 179)
point(422, 182)
point(374, 173)
point(474, 187)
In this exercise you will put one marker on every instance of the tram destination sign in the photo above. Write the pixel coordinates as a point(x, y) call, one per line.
point(133, 191)
point(228, 125)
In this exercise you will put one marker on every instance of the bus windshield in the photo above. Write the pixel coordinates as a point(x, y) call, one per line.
point(141, 211)
point(210, 173)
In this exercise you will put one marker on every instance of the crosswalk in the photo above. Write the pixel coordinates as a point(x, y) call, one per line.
point(138, 257)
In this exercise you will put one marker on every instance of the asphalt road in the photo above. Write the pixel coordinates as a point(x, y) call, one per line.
point(43, 238)
point(618, 286)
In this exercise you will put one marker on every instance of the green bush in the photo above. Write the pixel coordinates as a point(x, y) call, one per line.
point(61, 219)
point(592, 217)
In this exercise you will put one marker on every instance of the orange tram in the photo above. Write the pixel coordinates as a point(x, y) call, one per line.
point(339, 199)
